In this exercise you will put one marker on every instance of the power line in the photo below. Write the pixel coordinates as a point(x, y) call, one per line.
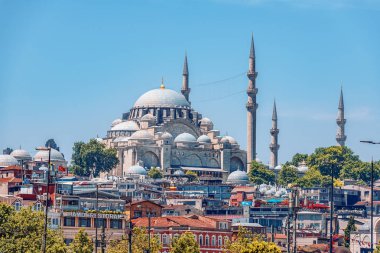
point(219, 81)
point(220, 98)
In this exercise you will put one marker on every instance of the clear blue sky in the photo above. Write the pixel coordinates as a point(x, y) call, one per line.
point(68, 68)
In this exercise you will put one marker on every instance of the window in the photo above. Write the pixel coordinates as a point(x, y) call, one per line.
point(101, 223)
point(68, 241)
point(220, 240)
point(165, 239)
point(85, 222)
point(200, 240)
point(17, 206)
point(69, 222)
point(116, 224)
point(213, 240)
point(54, 222)
point(137, 214)
point(207, 241)
point(37, 206)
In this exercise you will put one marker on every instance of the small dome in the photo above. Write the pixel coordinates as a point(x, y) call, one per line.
point(302, 168)
point(185, 137)
point(142, 135)
point(99, 139)
point(43, 155)
point(258, 160)
point(204, 139)
point(166, 136)
point(179, 173)
point(229, 138)
point(148, 117)
point(162, 98)
point(136, 170)
point(126, 126)
point(278, 167)
point(43, 167)
point(238, 177)
point(21, 154)
point(7, 160)
point(116, 121)
point(206, 122)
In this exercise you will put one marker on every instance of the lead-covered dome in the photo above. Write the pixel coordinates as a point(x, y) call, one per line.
point(21, 154)
point(126, 126)
point(185, 137)
point(238, 177)
point(142, 135)
point(136, 170)
point(43, 156)
point(162, 98)
point(229, 138)
point(7, 160)
point(204, 139)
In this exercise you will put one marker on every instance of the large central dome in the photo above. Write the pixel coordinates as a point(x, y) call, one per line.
point(162, 98)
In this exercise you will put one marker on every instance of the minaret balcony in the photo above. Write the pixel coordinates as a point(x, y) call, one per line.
point(341, 121)
point(252, 91)
point(274, 131)
point(274, 147)
point(341, 137)
point(251, 107)
point(252, 74)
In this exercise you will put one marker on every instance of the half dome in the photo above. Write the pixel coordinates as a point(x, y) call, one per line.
point(204, 139)
point(142, 135)
point(162, 98)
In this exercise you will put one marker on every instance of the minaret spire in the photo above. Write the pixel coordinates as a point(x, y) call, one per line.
point(273, 146)
point(251, 106)
point(185, 90)
point(341, 121)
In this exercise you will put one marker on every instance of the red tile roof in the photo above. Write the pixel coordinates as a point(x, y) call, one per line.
point(10, 180)
point(177, 221)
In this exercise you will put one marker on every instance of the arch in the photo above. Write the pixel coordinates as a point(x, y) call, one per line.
point(201, 240)
point(175, 161)
point(150, 159)
point(213, 163)
point(179, 126)
point(192, 160)
point(236, 163)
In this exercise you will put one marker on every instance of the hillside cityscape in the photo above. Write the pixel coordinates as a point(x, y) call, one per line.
point(164, 179)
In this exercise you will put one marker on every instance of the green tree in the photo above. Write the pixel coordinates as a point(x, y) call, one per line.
point(92, 158)
point(82, 243)
point(155, 173)
point(246, 242)
point(312, 178)
point(298, 158)
point(51, 144)
point(186, 243)
point(139, 243)
point(287, 175)
point(259, 174)
point(347, 231)
point(23, 231)
point(331, 158)
point(192, 175)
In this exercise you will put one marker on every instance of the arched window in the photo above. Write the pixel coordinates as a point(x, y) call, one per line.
point(213, 240)
point(207, 240)
point(200, 240)
point(165, 239)
point(220, 240)
point(17, 206)
point(226, 239)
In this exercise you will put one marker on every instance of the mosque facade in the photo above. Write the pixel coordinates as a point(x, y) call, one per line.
point(163, 130)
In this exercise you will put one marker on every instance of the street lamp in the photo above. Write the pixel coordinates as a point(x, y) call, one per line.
point(374, 143)
point(47, 197)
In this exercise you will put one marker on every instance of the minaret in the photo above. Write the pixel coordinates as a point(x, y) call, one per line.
point(341, 121)
point(185, 90)
point(251, 107)
point(274, 147)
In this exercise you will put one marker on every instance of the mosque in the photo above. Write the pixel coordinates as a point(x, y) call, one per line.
point(163, 130)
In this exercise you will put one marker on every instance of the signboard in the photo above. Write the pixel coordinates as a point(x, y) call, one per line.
point(93, 215)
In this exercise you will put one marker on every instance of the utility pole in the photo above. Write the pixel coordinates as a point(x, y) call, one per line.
point(96, 218)
point(294, 205)
point(103, 240)
point(288, 232)
point(331, 208)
